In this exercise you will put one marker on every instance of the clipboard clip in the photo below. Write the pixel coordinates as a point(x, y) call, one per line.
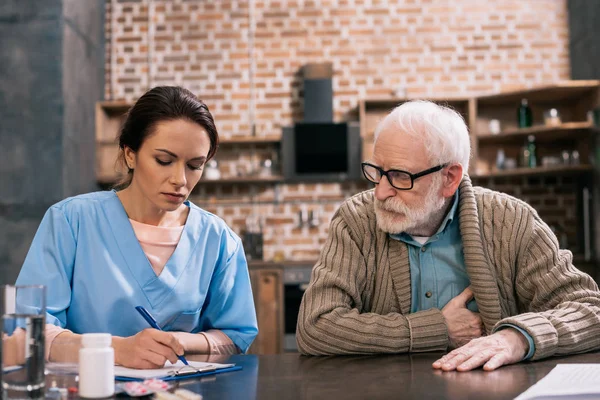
point(189, 370)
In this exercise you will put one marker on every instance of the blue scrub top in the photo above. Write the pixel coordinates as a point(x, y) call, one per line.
point(86, 253)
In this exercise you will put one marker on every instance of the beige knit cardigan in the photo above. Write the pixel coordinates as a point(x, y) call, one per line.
point(359, 298)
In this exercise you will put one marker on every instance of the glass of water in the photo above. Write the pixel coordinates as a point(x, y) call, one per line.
point(23, 320)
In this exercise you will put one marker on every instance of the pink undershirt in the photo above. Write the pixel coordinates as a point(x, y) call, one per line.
point(159, 244)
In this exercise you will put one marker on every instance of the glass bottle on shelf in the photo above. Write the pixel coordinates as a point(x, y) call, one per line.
point(524, 156)
point(500, 159)
point(532, 162)
point(524, 115)
point(575, 157)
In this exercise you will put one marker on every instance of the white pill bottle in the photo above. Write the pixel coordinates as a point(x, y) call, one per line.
point(96, 366)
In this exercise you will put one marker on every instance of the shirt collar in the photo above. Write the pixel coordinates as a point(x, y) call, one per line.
point(451, 214)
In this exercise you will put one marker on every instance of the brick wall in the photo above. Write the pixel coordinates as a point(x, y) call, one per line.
point(425, 47)
point(556, 199)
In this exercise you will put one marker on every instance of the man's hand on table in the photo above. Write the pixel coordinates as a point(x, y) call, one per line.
point(504, 347)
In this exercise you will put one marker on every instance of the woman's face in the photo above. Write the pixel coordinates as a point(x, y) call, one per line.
point(169, 162)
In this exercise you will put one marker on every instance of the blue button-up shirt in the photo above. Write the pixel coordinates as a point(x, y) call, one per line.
point(437, 268)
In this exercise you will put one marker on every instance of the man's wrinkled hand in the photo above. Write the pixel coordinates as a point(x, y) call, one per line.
point(463, 325)
point(505, 347)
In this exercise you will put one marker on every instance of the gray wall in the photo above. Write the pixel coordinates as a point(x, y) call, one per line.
point(82, 86)
point(584, 52)
point(51, 75)
point(584, 38)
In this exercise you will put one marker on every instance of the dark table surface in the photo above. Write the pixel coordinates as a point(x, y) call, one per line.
point(291, 376)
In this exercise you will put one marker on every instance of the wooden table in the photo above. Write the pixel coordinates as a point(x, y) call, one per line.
point(291, 376)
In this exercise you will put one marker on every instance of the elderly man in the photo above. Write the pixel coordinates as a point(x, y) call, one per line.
point(427, 262)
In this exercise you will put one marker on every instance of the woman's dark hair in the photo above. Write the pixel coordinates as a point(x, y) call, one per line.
point(162, 103)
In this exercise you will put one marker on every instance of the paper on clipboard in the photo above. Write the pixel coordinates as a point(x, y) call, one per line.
point(169, 370)
point(567, 381)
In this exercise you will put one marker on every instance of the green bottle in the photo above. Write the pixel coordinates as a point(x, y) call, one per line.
point(532, 153)
point(524, 115)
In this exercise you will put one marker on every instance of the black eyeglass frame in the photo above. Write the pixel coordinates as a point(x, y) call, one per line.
point(383, 173)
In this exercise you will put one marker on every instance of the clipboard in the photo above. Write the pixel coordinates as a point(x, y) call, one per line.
point(173, 372)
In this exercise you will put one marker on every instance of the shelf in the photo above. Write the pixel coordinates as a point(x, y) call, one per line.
point(222, 141)
point(556, 170)
point(242, 180)
point(394, 101)
point(115, 105)
point(542, 133)
point(233, 140)
point(107, 142)
point(559, 92)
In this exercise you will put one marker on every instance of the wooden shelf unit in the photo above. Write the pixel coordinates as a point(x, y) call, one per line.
point(372, 111)
point(572, 99)
point(110, 116)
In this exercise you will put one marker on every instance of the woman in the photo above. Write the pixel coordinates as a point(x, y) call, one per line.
point(102, 254)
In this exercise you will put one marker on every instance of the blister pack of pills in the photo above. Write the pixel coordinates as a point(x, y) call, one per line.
point(179, 394)
point(146, 388)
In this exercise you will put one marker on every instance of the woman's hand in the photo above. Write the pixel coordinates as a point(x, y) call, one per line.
point(148, 349)
point(14, 348)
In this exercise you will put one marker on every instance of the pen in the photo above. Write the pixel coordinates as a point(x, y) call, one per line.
point(150, 320)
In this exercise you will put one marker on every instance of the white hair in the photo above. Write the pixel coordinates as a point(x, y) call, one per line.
point(442, 130)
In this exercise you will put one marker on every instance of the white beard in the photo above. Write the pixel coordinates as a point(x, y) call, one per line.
point(393, 216)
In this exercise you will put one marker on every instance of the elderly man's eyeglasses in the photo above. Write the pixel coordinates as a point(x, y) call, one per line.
point(401, 180)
